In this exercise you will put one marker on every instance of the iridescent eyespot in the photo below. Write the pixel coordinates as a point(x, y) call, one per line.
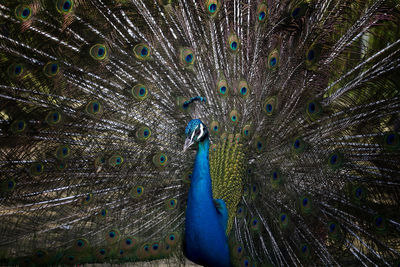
point(187, 177)
point(247, 131)
point(98, 51)
point(298, 145)
point(234, 116)
point(212, 7)
point(358, 193)
point(144, 251)
point(7, 185)
point(40, 256)
point(64, 6)
point(273, 59)
point(283, 220)
point(238, 251)
point(380, 223)
point(103, 213)
point(101, 253)
point(305, 205)
point(53, 118)
point(313, 110)
point(241, 211)
point(36, 169)
point(61, 165)
point(40, 253)
point(335, 160)
point(62, 152)
point(259, 144)
point(160, 160)
point(112, 236)
point(10, 185)
point(312, 56)
point(15, 70)
point(51, 69)
point(23, 12)
point(269, 106)
point(245, 262)
point(172, 239)
point(171, 203)
point(215, 128)
point(255, 224)
point(81, 244)
point(276, 178)
point(233, 42)
point(155, 249)
point(87, 198)
point(143, 133)
point(187, 57)
point(244, 89)
point(254, 191)
point(115, 160)
point(128, 243)
point(137, 192)
point(262, 12)
point(18, 126)
point(94, 107)
point(304, 251)
point(391, 141)
point(299, 11)
point(334, 230)
point(140, 92)
point(142, 51)
point(222, 88)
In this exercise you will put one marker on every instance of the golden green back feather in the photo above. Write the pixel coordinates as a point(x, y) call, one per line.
point(227, 169)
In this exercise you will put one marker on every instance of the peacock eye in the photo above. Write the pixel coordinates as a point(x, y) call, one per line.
point(197, 132)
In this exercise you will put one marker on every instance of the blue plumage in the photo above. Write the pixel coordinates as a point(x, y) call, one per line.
point(206, 241)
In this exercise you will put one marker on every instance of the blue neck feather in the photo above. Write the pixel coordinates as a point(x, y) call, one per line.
point(205, 238)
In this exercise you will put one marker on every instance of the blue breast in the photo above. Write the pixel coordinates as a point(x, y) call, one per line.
point(206, 241)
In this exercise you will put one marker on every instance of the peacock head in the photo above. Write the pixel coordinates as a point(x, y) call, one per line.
point(196, 131)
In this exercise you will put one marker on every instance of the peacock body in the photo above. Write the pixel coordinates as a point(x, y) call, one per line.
point(290, 111)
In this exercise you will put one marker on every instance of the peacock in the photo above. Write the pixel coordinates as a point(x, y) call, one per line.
point(215, 132)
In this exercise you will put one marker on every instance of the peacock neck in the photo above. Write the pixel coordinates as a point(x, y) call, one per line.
point(200, 192)
point(202, 166)
point(206, 241)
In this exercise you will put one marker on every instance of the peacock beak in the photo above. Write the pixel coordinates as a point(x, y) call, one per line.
point(188, 143)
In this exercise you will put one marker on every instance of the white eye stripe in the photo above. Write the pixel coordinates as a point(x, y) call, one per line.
point(201, 131)
point(191, 138)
